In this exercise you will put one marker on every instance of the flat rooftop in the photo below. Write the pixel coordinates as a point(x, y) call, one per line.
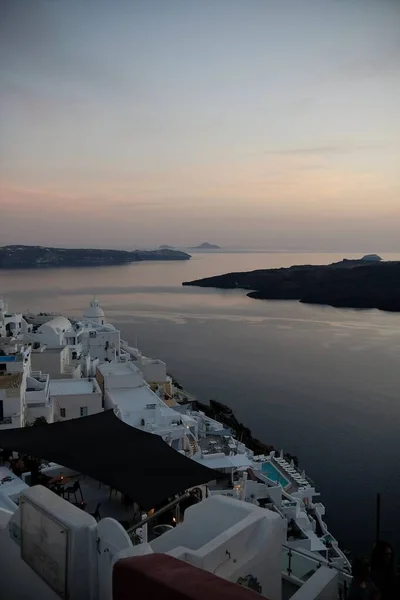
point(215, 443)
point(90, 326)
point(136, 399)
point(69, 387)
point(11, 380)
point(55, 350)
point(224, 462)
point(132, 403)
point(43, 349)
point(119, 368)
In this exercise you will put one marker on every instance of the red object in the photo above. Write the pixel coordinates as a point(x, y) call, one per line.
point(167, 578)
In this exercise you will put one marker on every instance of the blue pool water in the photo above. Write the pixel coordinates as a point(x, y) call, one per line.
point(270, 471)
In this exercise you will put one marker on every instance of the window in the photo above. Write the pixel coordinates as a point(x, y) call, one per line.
point(63, 413)
point(83, 411)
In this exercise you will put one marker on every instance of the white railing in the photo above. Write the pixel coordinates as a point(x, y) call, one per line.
point(232, 493)
point(40, 376)
point(36, 374)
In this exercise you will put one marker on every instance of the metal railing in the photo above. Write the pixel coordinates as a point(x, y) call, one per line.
point(301, 566)
point(157, 513)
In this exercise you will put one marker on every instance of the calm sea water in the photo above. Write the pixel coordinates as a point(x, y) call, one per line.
point(320, 382)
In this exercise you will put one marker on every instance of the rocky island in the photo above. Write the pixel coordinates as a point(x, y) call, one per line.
point(28, 257)
point(206, 246)
point(362, 283)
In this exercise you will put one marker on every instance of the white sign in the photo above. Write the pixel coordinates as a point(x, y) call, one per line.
point(44, 544)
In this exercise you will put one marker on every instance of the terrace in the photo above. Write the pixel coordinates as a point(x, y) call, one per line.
point(10, 381)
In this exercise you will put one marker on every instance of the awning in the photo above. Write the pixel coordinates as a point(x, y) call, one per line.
point(219, 462)
point(138, 464)
point(224, 462)
point(240, 460)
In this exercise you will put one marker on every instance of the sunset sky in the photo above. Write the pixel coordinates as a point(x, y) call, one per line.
point(248, 123)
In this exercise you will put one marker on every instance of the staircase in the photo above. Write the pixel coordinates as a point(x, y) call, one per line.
point(194, 445)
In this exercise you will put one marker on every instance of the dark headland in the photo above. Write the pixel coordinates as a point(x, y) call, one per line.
point(29, 257)
point(363, 283)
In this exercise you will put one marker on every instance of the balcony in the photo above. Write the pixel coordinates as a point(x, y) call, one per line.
point(39, 376)
point(37, 389)
point(15, 420)
point(11, 382)
point(308, 576)
point(72, 370)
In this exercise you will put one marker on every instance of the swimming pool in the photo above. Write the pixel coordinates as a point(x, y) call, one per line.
point(270, 471)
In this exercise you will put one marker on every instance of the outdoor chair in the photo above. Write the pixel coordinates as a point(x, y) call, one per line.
point(72, 489)
point(96, 513)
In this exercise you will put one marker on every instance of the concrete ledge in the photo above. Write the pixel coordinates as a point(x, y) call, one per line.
point(323, 585)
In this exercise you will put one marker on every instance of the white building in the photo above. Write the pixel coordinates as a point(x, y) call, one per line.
point(11, 324)
point(224, 539)
point(12, 401)
point(74, 398)
point(55, 361)
point(94, 313)
point(56, 332)
point(126, 392)
point(24, 392)
point(37, 397)
point(154, 370)
point(15, 366)
point(100, 341)
point(15, 356)
point(27, 394)
point(112, 376)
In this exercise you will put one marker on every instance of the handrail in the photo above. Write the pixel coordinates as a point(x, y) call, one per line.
point(320, 561)
point(157, 513)
point(344, 577)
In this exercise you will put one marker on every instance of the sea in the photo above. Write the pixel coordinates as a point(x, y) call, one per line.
point(319, 382)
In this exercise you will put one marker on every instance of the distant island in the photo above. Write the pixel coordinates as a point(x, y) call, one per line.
point(371, 258)
point(362, 283)
point(206, 246)
point(166, 247)
point(28, 257)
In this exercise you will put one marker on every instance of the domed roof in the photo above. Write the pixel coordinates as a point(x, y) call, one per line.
point(58, 324)
point(93, 311)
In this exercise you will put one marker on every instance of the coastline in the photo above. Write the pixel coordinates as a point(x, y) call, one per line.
point(356, 284)
point(225, 415)
point(38, 257)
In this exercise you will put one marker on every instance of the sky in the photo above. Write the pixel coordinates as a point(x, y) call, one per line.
point(247, 123)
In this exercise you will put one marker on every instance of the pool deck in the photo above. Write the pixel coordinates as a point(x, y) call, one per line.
point(295, 480)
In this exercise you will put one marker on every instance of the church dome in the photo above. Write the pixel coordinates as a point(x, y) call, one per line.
point(94, 312)
point(58, 324)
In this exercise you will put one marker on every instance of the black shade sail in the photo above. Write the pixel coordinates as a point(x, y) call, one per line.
point(138, 464)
